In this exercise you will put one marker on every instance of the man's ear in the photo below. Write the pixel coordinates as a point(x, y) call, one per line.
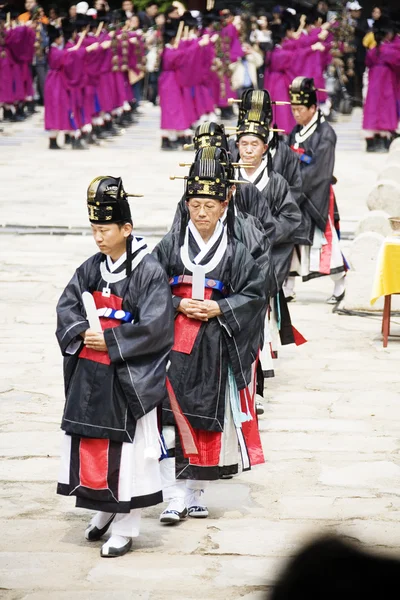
point(127, 229)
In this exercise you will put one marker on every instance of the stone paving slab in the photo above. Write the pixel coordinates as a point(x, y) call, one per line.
point(330, 433)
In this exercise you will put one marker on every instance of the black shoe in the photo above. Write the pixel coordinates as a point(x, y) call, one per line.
point(67, 139)
point(227, 113)
point(115, 552)
point(380, 146)
point(92, 533)
point(53, 144)
point(77, 144)
point(370, 144)
point(166, 144)
point(99, 132)
point(111, 129)
point(335, 299)
point(30, 107)
point(91, 139)
point(172, 517)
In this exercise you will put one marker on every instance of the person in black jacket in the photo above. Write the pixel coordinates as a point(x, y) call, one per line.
point(314, 141)
point(115, 331)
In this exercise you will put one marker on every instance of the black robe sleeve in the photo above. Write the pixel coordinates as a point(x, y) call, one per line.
point(247, 299)
point(250, 200)
point(152, 332)
point(317, 176)
point(71, 316)
point(285, 211)
point(286, 163)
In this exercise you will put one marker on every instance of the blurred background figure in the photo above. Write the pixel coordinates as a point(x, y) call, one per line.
point(332, 568)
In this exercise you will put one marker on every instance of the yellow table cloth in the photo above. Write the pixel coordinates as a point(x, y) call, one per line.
point(387, 277)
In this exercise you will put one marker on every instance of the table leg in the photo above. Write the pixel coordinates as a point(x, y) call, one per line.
point(386, 320)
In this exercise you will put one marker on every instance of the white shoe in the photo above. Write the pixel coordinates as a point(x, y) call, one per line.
point(259, 406)
point(196, 509)
point(117, 545)
point(175, 512)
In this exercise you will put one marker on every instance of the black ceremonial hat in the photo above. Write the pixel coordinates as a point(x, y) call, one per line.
point(207, 179)
point(255, 100)
point(255, 114)
point(219, 154)
point(107, 201)
point(210, 134)
point(303, 92)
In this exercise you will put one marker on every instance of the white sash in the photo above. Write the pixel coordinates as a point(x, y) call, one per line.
point(199, 272)
point(307, 131)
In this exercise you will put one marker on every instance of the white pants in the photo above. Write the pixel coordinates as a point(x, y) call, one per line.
point(177, 488)
point(127, 525)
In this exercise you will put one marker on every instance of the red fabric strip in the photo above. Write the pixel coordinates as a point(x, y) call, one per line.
point(298, 338)
point(114, 302)
point(185, 329)
point(93, 459)
point(209, 446)
point(250, 428)
point(185, 430)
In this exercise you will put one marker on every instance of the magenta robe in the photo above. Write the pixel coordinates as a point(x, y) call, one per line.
point(173, 112)
point(73, 71)
point(380, 108)
point(7, 72)
point(57, 105)
point(106, 82)
point(277, 79)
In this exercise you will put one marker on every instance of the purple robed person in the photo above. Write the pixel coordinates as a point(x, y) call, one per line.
point(277, 79)
point(22, 48)
point(380, 108)
point(203, 97)
point(106, 97)
point(173, 113)
point(92, 65)
point(7, 68)
point(231, 51)
point(14, 41)
point(188, 77)
point(73, 71)
point(57, 106)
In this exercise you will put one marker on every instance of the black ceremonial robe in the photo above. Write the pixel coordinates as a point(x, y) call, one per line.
point(282, 160)
point(277, 201)
point(107, 392)
point(199, 367)
point(315, 147)
point(249, 231)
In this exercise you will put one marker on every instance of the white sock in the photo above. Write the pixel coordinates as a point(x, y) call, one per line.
point(177, 504)
point(288, 286)
point(100, 519)
point(115, 541)
point(339, 287)
point(193, 498)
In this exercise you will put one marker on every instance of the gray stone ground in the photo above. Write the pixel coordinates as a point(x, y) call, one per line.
point(331, 431)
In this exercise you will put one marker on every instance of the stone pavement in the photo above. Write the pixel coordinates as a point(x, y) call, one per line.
point(331, 431)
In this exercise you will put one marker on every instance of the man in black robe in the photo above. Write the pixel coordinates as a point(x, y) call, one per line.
point(115, 331)
point(314, 141)
point(219, 297)
point(280, 158)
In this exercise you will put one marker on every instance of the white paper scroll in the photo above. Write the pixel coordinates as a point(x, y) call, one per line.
point(91, 312)
point(198, 282)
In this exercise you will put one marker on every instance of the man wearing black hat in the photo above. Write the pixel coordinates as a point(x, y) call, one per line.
point(219, 297)
point(314, 141)
point(115, 331)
